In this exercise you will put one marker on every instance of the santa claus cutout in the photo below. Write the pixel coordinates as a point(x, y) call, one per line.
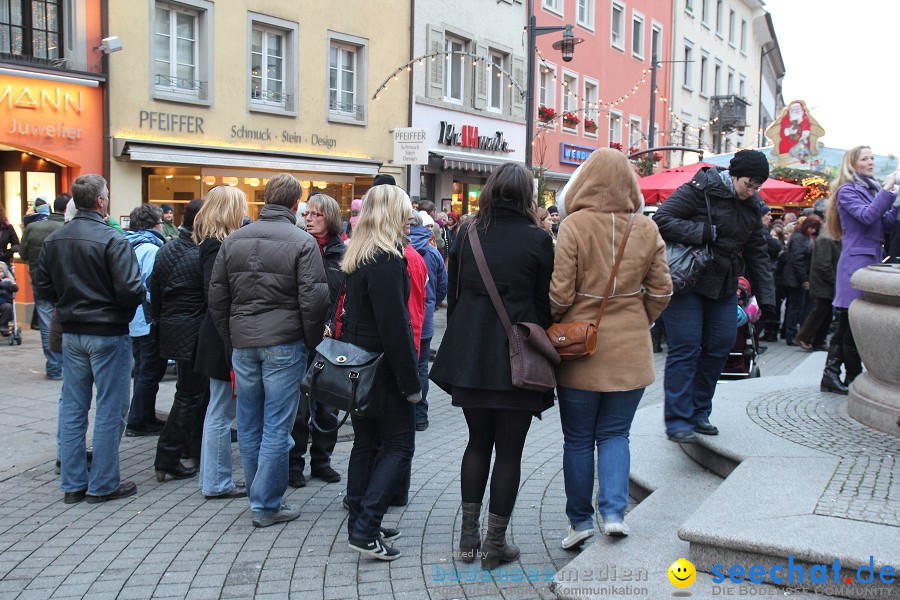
point(794, 134)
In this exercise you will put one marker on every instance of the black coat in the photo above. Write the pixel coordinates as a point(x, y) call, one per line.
point(799, 259)
point(213, 355)
point(177, 301)
point(334, 252)
point(9, 242)
point(474, 352)
point(739, 248)
point(376, 317)
point(824, 266)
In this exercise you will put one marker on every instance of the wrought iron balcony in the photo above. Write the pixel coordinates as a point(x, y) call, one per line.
point(271, 97)
point(354, 111)
point(180, 85)
point(731, 110)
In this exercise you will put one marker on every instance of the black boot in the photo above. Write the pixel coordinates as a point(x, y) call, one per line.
point(470, 535)
point(495, 550)
point(831, 376)
point(852, 363)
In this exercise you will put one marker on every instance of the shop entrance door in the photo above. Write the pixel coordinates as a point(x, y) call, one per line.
point(466, 195)
point(25, 178)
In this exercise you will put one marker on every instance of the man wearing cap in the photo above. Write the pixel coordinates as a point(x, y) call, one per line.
point(169, 231)
point(554, 218)
point(39, 212)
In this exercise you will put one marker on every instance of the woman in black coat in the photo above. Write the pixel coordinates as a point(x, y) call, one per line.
point(796, 275)
point(701, 324)
point(375, 317)
point(221, 214)
point(472, 363)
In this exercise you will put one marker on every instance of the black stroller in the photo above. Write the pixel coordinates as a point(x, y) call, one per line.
point(8, 289)
point(743, 360)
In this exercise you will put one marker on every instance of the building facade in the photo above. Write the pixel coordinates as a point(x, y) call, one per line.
point(602, 97)
point(467, 94)
point(210, 93)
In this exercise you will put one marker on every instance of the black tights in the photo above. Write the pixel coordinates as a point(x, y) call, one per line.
point(489, 428)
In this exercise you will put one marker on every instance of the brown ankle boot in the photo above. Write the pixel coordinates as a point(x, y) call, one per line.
point(495, 550)
point(470, 536)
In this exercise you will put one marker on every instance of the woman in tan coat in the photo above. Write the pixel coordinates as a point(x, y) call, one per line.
point(599, 394)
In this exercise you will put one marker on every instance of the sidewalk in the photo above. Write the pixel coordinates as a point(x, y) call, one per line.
point(168, 541)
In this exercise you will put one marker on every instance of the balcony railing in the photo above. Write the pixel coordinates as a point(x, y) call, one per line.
point(731, 110)
point(271, 98)
point(355, 111)
point(57, 64)
point(180, 85)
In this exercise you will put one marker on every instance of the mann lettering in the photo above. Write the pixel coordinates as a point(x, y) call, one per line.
point(54, 99)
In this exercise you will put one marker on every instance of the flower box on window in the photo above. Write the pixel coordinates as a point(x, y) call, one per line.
point(546, 114)
point(571, 119)
point(615, 145)
point(590, 126)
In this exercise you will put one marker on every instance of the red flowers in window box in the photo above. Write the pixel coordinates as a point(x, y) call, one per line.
point(590, 125)
point(546, 114)
point(570, 119)
point(615, 145)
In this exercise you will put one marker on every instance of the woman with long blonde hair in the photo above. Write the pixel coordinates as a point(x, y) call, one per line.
point(222, 213)
point(376, 317)
point(859, 215)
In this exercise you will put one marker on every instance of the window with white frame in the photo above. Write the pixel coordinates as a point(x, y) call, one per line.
point(554, 5)
point(635, 135)
point(717, 79)
point(495, 87)
point(347, 69)
point(584, 13)
point(656, 41)
point(591, 97)
point(176, 55)
point(454, 73)
point(730, 87)
point(704, 12)
point(547, 86)
point(570, 92)
point(267, 72)
point(688, 66)
point(637, 35)
point(615, 127)
point(720, 18)
point(742, 87)
point(743, 36)
point(704, 75)
point(732, 32)
point(617, 26)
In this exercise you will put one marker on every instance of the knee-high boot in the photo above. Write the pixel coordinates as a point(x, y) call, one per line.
point(495, 550)
point(470, 535)
point(831, 376)
point(852, 363)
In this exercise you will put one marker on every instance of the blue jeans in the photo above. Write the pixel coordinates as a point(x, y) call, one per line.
point(268, 390)
point(701, 332)
point(374, 476)
point(149, 371)
point(104, 361)
point(422, 407)
point(44, 310)
point(215, 451)
point(601, 419)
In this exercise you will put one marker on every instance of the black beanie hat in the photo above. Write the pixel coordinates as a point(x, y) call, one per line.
point(749, 163)
point(384, 179)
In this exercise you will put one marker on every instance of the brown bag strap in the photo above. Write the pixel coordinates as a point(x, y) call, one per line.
point(475, 242)
point(615, 269)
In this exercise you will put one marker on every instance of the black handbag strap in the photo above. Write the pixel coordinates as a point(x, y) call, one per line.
point(485, 271)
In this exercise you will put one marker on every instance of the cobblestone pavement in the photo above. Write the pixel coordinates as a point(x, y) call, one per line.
point(866, 483)
point(168, 541)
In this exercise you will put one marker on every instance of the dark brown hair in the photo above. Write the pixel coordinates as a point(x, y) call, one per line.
point(511, 187)
point(812, 221)
point(284, 190)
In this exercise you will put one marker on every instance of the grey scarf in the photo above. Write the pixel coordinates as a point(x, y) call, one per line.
point(725, 176)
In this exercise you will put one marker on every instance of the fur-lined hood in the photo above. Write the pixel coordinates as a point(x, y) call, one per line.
point(604, 182)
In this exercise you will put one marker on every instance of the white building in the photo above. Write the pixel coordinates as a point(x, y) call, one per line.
point(468, 102)
point(719, 99)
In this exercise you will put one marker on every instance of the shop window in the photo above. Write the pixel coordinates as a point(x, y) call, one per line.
point(32, 30)
point(346, 78)
point(181, 46)
point(272, 72)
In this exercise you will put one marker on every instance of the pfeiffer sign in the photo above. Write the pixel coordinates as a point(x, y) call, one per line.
point(468, 137)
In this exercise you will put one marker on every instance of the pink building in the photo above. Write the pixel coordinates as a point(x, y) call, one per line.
point(602, 96)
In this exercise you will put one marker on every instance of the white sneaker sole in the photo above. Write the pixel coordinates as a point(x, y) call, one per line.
point(377, 554)
point(572, 541)
point(615, 529)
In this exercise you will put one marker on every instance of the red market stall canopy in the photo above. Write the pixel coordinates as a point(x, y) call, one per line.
point(660, 186)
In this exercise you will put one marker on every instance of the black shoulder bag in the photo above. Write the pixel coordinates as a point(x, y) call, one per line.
point(688, 262)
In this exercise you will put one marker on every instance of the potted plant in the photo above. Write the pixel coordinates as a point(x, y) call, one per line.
point(570, 119)
point(546, 114)
point(590, 126)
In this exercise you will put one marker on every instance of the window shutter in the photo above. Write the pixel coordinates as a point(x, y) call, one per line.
point(517, 103)
point(434, 80)
point(482, 76)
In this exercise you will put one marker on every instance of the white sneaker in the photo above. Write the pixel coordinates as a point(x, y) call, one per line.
point(616, 529)
point(576, 538)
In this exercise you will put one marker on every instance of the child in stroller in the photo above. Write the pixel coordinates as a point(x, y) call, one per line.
point(8, 288)
point(743, 360)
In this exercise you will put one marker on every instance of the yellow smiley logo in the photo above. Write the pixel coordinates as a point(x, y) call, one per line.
point(682, 573)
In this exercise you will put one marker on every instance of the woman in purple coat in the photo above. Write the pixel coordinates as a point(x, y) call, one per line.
point(863, 212)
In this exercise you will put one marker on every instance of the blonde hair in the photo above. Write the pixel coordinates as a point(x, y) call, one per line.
point(382, 217)
point(222, 213)
point(846, 174)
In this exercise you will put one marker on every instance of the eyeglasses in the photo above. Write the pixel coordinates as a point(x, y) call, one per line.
point(313, 213)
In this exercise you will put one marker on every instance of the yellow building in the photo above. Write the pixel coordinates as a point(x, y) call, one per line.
point(208, 93)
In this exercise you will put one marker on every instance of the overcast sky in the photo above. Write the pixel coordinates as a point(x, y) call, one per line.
point(842, 58)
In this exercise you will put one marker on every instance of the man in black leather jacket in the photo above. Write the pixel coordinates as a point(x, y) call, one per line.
point(89, 271)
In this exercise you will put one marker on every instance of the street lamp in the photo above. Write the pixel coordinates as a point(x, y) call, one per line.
point(566, 45)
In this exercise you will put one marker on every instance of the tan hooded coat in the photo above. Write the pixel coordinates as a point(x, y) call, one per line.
point(598, 203)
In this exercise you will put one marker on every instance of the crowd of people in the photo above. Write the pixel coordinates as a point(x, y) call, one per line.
point(240, 308)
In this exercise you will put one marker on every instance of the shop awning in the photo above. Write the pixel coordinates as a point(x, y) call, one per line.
point(160, 153)
point(465, 161)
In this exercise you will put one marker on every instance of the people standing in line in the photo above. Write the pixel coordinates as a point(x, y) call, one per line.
point(145, 235)
point(599, 394)
point(268, 296)
point(9, 239)
point(701, 323)
point(177, 307)
point(376, 318)
point(91, 273)
point(322, 216)
point(860, 215)
point(169, 230)
point(30, 251)
point(420, 236)
point(796, 275)
point(221, 214)
point(473, 363)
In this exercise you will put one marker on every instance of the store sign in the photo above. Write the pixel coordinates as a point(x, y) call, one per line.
point(570, 154)
point(42, 109)
point(165, 121)
point(467, 137)
point(410, 146)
